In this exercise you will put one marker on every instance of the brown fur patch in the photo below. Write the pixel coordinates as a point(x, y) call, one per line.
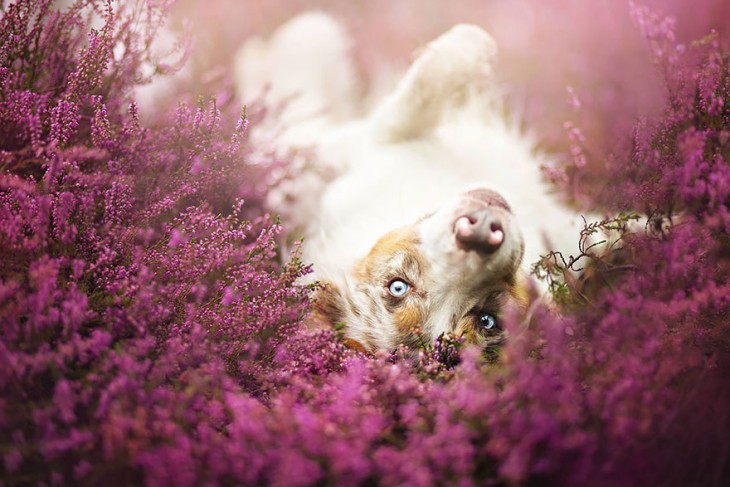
point(403, 240)
point(408, 318)
point(355, 345)
point(519, 289)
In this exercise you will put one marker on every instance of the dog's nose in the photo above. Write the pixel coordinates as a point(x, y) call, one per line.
point(479, 230)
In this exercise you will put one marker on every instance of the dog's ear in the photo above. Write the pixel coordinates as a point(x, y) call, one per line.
point(450, 72)
point(329, 304)
point(329, 310)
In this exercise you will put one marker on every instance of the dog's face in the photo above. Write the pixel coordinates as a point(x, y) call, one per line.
point(449, 272)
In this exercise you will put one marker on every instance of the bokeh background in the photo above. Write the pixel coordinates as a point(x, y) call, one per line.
point(593, 47)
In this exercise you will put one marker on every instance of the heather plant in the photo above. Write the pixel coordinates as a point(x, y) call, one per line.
point(134, 293)
point(661, 324)
point(152, 333)
point(599, 247)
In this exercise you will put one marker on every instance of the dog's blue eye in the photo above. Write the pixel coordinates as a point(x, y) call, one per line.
point(398, 288)
point(487, 321)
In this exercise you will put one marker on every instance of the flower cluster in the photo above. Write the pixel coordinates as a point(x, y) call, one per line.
point(140, 277)
point(152, 333)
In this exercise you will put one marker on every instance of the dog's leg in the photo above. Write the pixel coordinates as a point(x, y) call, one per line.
point(304, 76)
point(305, 66)
point(452, 70)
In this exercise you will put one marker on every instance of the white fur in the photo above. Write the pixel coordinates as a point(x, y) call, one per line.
point(305, 71)
point(438, 133)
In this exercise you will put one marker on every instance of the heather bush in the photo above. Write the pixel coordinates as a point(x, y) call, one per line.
point(152, 331)
point(140, 279)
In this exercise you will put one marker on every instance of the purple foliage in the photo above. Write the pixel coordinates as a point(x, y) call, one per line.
point(150, 334)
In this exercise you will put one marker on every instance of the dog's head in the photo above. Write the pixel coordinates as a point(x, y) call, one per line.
point(449, 272)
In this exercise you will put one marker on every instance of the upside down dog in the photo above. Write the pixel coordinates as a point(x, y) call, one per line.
point(419, 215)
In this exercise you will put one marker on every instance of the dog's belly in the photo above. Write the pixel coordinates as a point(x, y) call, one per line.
point(385, 185)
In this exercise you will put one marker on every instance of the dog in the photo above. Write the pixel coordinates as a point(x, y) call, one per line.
point(421, 216)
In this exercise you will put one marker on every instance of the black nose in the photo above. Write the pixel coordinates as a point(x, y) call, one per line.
point(479, 230)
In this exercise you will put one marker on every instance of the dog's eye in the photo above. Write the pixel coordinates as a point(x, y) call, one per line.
point(398, 288)
point(487, 321)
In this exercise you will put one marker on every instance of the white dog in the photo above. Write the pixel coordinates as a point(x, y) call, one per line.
point(419, 215)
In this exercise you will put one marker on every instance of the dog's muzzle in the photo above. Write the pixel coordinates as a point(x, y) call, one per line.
point(480, 225)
